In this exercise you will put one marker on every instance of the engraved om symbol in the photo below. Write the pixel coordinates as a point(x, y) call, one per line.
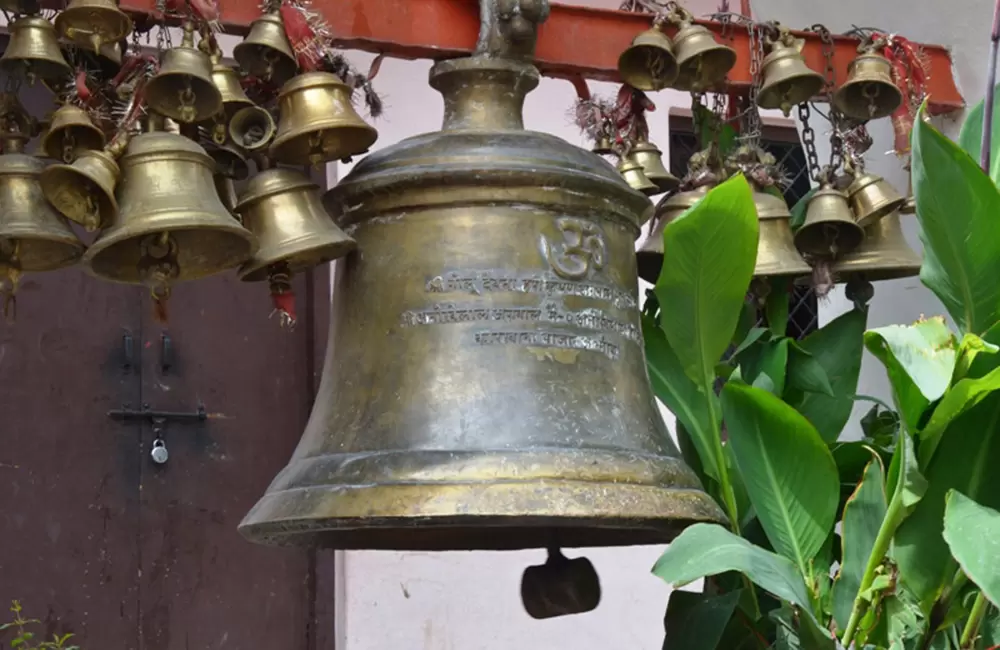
point(583, 248)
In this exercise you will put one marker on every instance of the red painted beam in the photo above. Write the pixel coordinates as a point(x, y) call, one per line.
point(574, 41)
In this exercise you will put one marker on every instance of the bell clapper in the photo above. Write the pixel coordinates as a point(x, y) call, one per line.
point(560, 587)
point(158, 268)
point(279, 280)
point(860, 292)
point(11, 277)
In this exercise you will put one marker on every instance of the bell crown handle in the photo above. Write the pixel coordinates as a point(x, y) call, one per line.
point(508, 29)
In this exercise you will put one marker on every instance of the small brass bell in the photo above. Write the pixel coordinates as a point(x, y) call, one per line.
point(252, 128)
point(776, 252)
point(883, 255)
point(829, 230)
point(604, 146)
point(93, 22)
point(649, 62)
point(230, 160)
point(170, 225)
point(651, 159)
point(33, 236)
point(227, 80)
point(909, 205)
point(788, 81)
point(872, 197)
point(636, 178)
point(318, 122)
point(649, 256)
point(266, 52)
point(84, 191)
point(70, 133)
point(702, 62)
point(184, 89)
point(282, 207)
point(33, 49)
point(868, 93)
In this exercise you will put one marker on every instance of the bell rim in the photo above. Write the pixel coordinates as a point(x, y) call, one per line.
point(97, 141)
point(123, 23)
point(311, 79)
point(261, 186)
point(108, 203)
point(283, 69)
point(845, 105)
point(256, 269)
point(213, 103)
point(71, 244)
point(287, 148)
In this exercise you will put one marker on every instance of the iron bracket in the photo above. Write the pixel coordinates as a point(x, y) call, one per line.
point(126, 414)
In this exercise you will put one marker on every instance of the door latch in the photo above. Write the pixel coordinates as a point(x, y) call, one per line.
point(158, 420)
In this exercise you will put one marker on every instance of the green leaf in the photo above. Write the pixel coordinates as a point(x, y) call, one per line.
point(709, 549)
point(768, 359)
point(684, 399)
point(863, 517)
point(960, 398)
point(753, 335)
point(905, 482)
point(905, 621)
point(838, 347)
point(697, 621)
point(799, 209)
point(966, 461)
point(807, 374)
point(972, 532)
point(970, 138)
point(713, 252)
point(957, 206)
point(789, 473)
point(919, 360)
point(970, 348)
point(880, 426)
point(777, 307)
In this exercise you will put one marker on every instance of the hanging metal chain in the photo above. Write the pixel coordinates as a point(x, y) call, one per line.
point(752, 124)
point(837, 121)
point(809, 143)
point(163, 39)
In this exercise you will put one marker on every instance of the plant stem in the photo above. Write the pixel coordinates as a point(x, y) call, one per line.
point(975, 618)
point(991, 80)
point(879, 550)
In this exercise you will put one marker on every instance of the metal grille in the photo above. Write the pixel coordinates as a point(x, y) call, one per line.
point(803, 308)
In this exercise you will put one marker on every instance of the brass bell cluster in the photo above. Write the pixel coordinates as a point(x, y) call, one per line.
point(692, 60)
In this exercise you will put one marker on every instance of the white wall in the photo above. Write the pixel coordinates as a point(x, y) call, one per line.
point(469, 601)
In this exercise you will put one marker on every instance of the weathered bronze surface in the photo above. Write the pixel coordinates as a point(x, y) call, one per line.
point(93, 22)
point(883, 255)
point(227, 80)
point(252, 128)
point(282, 207)
point(485, 385)
point(167, 191)
point(872, 197)
point(868, 93)
point(829, 230)
point(33, 49)
point(651, 159)
point(788, 80)
point(184, 89)
point(649, 62)
point(84, 191)
point(70, 133)
point(265, 52)
point(33, 236)
point(649, 257)
point(633, 174)
point(702, 62)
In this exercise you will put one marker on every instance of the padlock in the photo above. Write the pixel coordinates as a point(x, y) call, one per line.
point(159, 452)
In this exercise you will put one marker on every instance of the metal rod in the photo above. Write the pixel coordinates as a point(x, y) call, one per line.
point(991, 80)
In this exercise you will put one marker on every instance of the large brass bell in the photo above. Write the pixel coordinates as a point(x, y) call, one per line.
point(651, 159)
point(252, 128)
point(633, 173)
point(93, 22)
point(33, 236)
point(509, 405)
point(883, 255)
point(169, 217)
point(318, 122)
point(649, 62)
point(868, 93)
point(33, 49)
point(265, 52)
point(649, 256)
point(282, 207)
point(788, 81)
point(84, 191)
point(829, 230)
point(70, 133)
point(872, 197)
point(702, 62)
point(184, 89)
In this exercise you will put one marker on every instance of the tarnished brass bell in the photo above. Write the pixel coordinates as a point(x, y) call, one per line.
point(635, 176)
point(70, 133)
point(184, 89)
point(227, 80)
point(510, 406)
point(776, 252)
point(649, 256)
point(651, 159)
point(702, 62)
point(93, 23)
point(282, 207)
point(33, 236)
point(649, 62)
point(829, 230)
point(872, 197)
point(868, 93)
point(318, 122)
point(604, 146)
point(883, 255)
point(788, 81)
point(85, 190)
point(252, 128)
point(33, 50)
point(265, 52)
point(170, 217)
